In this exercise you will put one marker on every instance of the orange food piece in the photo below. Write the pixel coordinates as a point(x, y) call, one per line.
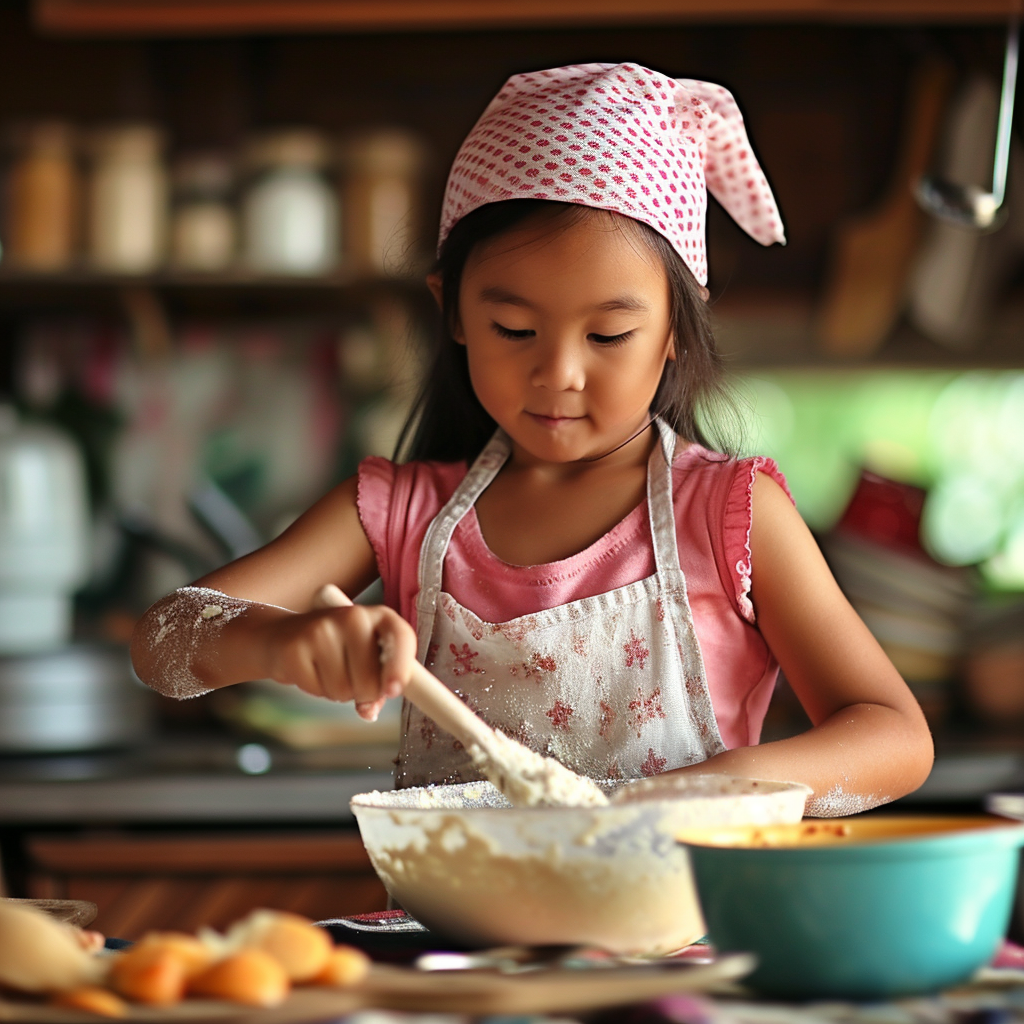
point(153, 974)
point(193, 953)
point(249, 976)
point(345, 967)
point(295, 942)
point(91, 999)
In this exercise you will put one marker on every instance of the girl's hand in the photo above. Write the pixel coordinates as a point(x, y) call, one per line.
point(360, 653)
point(332, 652)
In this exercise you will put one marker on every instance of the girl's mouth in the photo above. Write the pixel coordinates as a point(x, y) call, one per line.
point(553, 422)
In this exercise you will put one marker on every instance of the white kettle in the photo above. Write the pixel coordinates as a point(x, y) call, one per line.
point(44, 533)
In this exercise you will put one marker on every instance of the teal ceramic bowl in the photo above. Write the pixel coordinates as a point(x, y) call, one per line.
point(859, 908)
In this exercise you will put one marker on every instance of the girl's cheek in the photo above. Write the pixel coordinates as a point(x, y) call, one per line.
point(490, 364)
point(484, 379)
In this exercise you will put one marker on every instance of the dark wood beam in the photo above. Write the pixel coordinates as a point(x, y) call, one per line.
point(189, 17)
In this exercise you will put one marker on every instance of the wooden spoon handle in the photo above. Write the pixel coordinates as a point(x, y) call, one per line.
point(426, 691)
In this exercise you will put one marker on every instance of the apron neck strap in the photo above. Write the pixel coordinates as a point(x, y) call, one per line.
point(485, 467)
point(660, 506)
point(435, 544)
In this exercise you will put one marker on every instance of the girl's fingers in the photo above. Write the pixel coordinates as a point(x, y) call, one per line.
point(355, 653)
point(329, 664)
point(397, 654)
point(395, 644)
point(371, 709)
point(362, 655)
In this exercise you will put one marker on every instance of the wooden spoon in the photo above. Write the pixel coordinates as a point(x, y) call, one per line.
point(523, 776)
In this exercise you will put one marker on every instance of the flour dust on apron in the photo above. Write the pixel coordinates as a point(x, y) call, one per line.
point(613, 686)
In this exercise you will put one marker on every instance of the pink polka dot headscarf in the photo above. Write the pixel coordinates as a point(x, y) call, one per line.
point(618, 137)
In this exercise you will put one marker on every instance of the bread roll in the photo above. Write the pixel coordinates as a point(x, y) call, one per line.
point(41, 954)
point(194, 954)
point(297, 944)
point(249, 976)
point(345, 967)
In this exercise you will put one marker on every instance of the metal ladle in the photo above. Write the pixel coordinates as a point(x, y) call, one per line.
point(968, 205)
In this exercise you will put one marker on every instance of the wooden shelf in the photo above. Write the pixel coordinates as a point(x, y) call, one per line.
point(156, 17)
point(28, 292)
point(775, 330)
point(12, 278)
point(755, 327)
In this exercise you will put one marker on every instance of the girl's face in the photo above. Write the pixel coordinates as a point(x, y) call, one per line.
point(567, 328)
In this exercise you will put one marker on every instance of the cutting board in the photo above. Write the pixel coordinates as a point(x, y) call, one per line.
point(77, 912)
point(873, 252)
point(555, 990)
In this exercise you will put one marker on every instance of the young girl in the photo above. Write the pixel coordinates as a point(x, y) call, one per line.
point(564, 549)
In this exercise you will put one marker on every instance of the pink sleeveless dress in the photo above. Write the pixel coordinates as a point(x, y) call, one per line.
point(711, 506)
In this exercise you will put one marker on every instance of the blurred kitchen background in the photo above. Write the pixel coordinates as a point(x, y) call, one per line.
point(215, 223)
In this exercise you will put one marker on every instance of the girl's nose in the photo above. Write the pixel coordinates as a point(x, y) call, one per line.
point(559, 367)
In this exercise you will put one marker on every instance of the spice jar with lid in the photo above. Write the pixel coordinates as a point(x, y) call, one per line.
point(383, 200)
point(128, 200)
point(290, 211)
point(203, 224)
point(43, 197)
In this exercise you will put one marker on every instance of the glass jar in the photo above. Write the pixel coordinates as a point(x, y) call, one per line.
point(43, 198)
point(128, 200)
point(44, 531)
point(290, 211)
point(204, 232)
point(383, 201)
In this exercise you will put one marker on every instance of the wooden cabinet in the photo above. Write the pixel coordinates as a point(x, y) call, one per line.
point(199, 16)
point(178, 880)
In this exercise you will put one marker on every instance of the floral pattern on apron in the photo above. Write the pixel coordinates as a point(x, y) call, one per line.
point(613, 686)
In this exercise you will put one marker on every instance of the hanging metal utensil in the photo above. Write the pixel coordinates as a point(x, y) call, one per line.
point(968, 205)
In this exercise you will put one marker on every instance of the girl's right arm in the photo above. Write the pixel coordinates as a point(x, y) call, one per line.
point(255, 619)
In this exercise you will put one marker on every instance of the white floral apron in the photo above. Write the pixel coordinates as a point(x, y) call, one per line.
point(613, 686)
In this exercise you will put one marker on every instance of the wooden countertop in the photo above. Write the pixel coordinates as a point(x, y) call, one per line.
point(201, 779)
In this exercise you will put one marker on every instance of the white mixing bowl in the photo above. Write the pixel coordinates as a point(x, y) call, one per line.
point(467, 865)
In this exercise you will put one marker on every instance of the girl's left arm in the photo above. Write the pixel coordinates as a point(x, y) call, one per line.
point(869, 742)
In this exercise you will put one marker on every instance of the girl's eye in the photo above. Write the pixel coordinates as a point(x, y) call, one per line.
point(611, 339)
point(506, 332)
point(600, 339)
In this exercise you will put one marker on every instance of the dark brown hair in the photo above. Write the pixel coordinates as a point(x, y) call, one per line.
point(449, 424)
